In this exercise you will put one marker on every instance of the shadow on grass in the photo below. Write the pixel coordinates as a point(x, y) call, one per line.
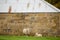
point(2, 39)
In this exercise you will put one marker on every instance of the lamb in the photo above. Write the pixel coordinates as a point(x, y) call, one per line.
point(38, 35)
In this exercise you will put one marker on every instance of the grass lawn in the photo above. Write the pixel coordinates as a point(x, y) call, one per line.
point(27, 38)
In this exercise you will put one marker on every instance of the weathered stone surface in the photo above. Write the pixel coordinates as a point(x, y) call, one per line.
point(44, 23)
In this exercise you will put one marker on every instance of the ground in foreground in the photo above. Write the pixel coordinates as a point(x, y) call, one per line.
point(5, 37)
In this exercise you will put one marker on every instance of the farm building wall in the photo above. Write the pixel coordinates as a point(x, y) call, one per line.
point(45, 23)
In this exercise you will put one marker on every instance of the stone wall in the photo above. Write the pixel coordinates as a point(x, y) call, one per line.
point(45, 23)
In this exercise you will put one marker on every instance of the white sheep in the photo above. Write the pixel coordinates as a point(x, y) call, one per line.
point(38, 35)
point(26, 31)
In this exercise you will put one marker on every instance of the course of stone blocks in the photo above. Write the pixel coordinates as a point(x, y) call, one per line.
point(46, 24)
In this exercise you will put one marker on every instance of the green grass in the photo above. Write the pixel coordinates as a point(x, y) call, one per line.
point(27, 38)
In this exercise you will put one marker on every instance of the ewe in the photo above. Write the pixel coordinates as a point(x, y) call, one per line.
point(26, 31)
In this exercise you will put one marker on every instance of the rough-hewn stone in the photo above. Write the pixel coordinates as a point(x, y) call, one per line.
point(45, 23)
